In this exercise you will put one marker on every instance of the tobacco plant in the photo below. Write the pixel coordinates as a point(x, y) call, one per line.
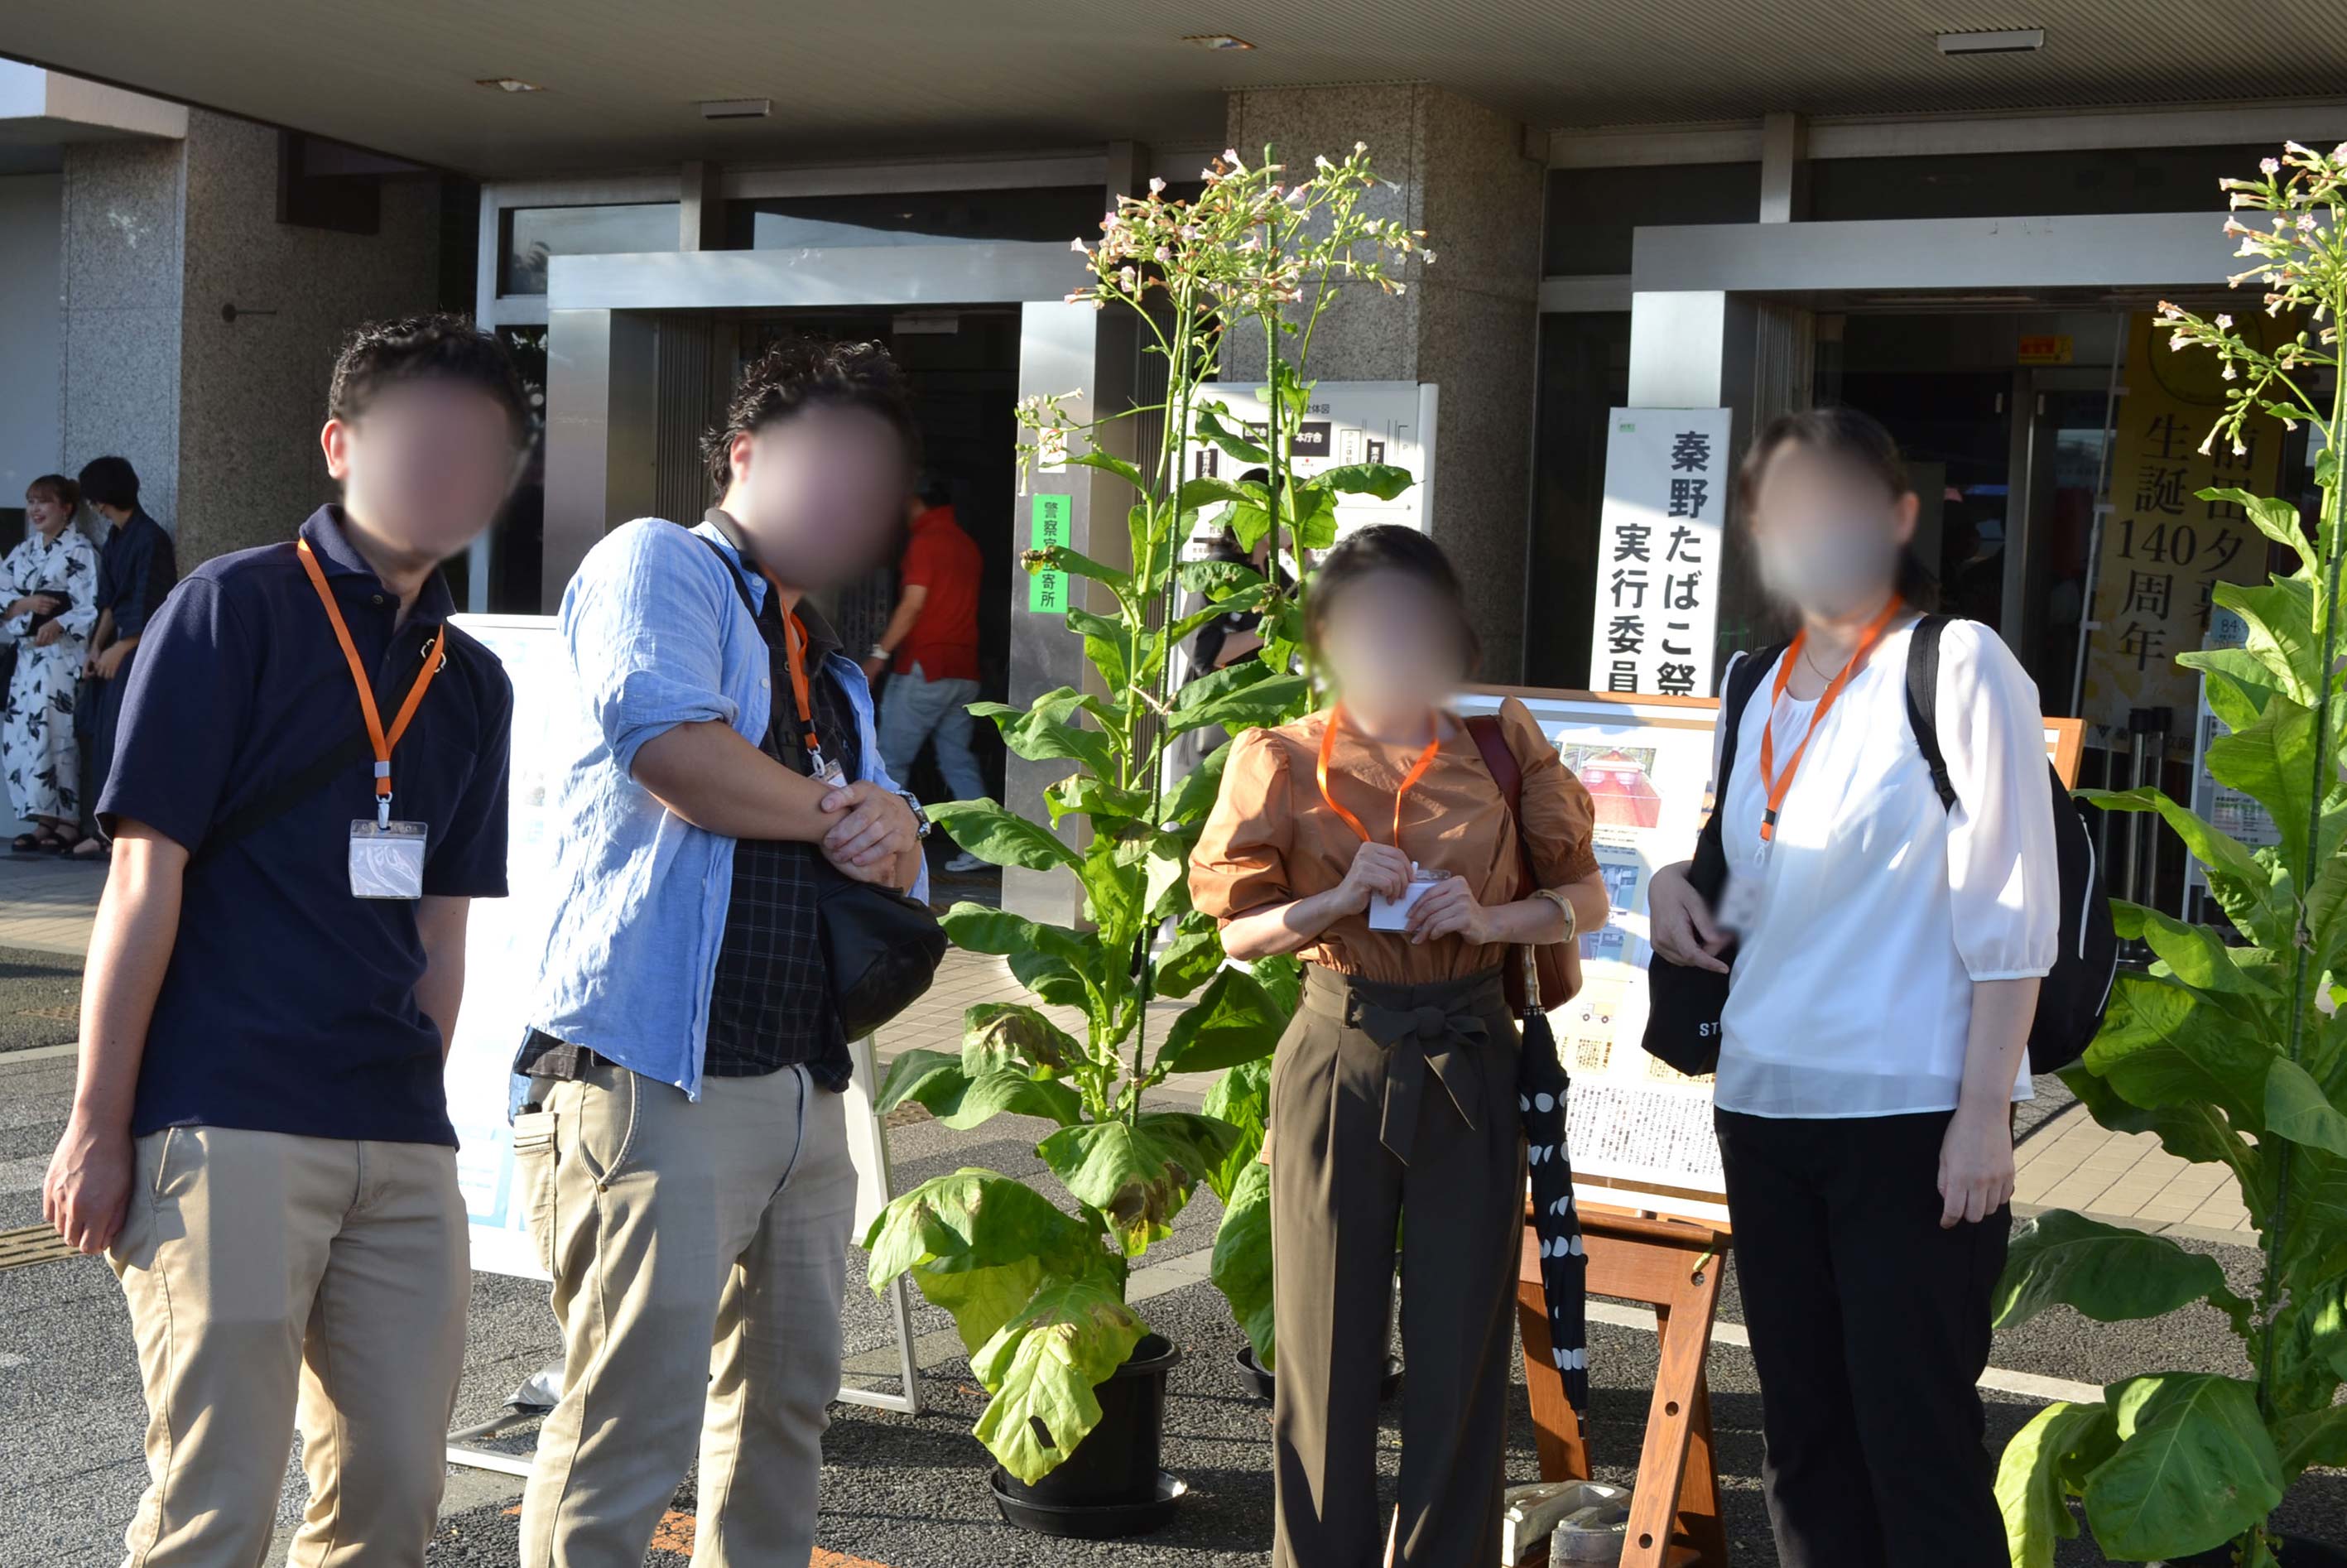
point(2230, 1050)
point(1035, 1279)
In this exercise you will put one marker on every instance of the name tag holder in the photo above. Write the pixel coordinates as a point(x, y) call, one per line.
point(387, 860)
point(387, 857)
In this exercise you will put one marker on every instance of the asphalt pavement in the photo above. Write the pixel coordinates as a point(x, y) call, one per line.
point(909, 1492)
point(903, 1491)
point(40, 999)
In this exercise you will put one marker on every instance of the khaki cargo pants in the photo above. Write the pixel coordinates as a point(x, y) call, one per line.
point(267, 1273)
point(699, 1251)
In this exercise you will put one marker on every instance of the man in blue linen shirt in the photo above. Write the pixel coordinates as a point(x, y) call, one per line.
point(683, 1144)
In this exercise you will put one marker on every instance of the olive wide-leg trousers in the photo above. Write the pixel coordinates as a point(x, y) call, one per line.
point(1387, 1099)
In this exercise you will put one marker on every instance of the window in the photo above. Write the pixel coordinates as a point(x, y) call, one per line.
point(1996, 185)
point(1592, 211)
point(1055, 214)
point(536, 235)
point(1585, 373)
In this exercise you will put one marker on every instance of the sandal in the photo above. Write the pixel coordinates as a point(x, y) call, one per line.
point(25, 843)
point(52, 842)
point(91, 847)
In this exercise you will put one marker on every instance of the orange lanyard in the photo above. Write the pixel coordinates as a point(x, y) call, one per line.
point(1780, 785)
point(1417, 772)
point(794, 643)
point(381, 740)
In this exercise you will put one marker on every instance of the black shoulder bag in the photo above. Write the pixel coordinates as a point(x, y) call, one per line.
point(881, 950)
point(1683, 1003)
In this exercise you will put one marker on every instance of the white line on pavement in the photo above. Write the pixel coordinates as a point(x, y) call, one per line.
point(2029, 1384)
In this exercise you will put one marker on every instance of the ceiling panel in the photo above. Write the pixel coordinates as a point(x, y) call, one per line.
point(889, 76)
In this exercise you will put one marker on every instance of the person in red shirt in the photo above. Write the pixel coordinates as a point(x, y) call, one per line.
point(931, 643)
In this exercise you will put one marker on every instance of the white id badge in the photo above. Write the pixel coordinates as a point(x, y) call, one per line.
point(1393, 914)
point(387, 860)
point(1739, 903)
point(829, 772)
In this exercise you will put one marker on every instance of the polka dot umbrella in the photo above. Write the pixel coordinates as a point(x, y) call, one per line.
point(1540, 1090)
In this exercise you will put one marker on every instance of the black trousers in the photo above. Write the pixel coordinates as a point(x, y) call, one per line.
point(1870, 1330)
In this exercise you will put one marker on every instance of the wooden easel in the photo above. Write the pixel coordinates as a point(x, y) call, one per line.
point(1674, 1266)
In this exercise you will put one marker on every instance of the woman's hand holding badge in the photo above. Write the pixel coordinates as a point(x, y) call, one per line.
point(1378, 870)
point(1681, 926)
point(1448, 908)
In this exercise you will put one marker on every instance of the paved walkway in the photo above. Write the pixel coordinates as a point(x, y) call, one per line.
point(2067, 1162)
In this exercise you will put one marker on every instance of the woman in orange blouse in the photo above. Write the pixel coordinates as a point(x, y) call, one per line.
point(1393, 1088)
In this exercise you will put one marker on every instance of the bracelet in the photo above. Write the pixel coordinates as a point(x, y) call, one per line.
point(880, 651)
point(1571, 918)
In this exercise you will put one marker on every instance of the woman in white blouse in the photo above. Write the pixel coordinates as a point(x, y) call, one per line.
point(1887, 961)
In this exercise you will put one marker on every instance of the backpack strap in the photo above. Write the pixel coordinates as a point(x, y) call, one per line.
point(1745, 673)
point(1922, 701)
point(732, 573)
point(252, 817)
point(1499, 761)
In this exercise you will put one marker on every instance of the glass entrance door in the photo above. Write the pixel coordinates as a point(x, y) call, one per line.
point(2007, 458)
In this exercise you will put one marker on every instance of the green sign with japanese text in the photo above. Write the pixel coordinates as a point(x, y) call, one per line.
point(1046, 591)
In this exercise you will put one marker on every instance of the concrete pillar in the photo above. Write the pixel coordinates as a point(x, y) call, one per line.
point(122, 269)
point(1469, 324)
point(699, 206)
point(1784, 168)
point(219, 413)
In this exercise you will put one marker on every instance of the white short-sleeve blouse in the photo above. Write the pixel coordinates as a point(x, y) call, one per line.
point(1877, 907)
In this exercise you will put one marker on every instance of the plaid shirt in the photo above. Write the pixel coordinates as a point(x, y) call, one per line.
point(772, 1006)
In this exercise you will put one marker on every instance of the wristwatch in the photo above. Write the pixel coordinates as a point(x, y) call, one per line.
point(921, 822)
point(880, 651)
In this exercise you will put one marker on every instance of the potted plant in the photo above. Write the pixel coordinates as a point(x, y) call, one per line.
point(2230, 1052)
point(1035, 1281)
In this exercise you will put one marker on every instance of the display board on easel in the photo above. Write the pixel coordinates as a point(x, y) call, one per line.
point(505, 944)
point(1645, 1165)
point(1640, 1131)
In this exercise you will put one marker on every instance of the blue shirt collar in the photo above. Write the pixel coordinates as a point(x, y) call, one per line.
point(330, 542)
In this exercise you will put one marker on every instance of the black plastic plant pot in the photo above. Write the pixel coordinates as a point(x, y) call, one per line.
point(1266, 1382)
point(1110, 1485)
point(2294, 1551)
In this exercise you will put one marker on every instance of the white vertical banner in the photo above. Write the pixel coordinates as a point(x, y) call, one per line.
point(1659, 552)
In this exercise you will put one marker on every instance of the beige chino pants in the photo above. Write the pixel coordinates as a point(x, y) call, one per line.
point(270, 1275)
point(700, 1257)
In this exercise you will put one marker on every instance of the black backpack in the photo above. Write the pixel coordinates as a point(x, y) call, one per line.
point(2072, 998)
point(1685, 1004)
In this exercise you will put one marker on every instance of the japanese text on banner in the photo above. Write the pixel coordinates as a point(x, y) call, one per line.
point(2164, 550)
point(1659, 552)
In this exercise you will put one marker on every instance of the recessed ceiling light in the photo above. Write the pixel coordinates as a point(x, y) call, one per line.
point(2010, 41)
point(736, 108)
point(1216, 41)
point(509, 85)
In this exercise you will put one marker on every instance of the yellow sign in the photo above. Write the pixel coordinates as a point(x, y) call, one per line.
point(2164, 548)
point(2047, 348)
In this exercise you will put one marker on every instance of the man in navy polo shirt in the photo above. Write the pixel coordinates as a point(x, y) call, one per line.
point(258, 1136)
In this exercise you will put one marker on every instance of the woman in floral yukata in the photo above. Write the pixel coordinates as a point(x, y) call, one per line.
point(49, 602)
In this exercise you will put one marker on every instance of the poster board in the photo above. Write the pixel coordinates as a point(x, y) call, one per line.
point(505, 944)
point(1640, 1131)
point(1348, 422)
point(2231, 810)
